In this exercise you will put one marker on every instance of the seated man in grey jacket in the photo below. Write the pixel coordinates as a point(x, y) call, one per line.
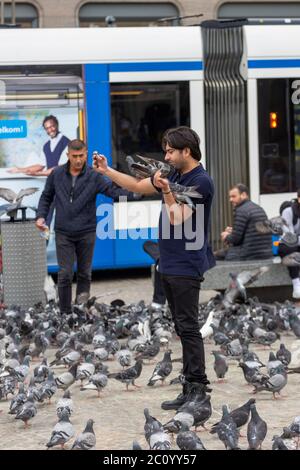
point(243, 240)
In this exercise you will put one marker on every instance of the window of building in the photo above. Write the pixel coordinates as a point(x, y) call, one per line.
point(279, 134)
point(125, 14)
point(24, 14)
point(271, 10)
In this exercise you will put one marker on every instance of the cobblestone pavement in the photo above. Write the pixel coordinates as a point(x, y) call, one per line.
point(118, 415)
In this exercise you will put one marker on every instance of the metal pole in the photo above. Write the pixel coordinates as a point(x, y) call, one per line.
point(13, 11)
point(1, 11)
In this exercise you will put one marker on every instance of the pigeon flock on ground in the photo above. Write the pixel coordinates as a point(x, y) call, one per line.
point(46, 356)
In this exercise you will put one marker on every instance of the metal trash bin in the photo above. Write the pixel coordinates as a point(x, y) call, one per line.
point(24, 262)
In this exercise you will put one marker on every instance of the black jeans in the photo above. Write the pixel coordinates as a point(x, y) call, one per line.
point(159, 296)
point(69, 247)
point(284, 250)
point(183, 298)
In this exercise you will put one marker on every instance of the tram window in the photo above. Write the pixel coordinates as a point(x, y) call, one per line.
point(27, 95)
point(279, 135)
point(141, 112)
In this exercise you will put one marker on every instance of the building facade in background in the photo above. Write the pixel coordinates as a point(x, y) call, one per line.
point(80, 13)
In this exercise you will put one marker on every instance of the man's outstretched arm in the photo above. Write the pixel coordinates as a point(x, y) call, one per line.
point(135, 185)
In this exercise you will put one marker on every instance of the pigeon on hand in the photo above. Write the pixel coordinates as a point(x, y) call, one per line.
point(14, 199)
point(256, 430)
point(148, 168)
point(162, 369)
point(87, 439)
point(62, 432)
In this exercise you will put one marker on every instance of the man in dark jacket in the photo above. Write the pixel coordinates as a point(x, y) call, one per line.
point(75, 187)
point(243, 239)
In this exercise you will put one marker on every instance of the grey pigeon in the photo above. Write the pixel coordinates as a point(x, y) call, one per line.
point(148, 168)
point(295, 324)
point(200, 408)
point(284, 355)
point(278, 443)
point(48, 388)
point(162, 369)
point(188, 440)
point(239, 415)
point(152, 425)
point(128, 376)
point(273, 384)
point(256, 430)
point(96, 382)
point(66, 379)
point(275, 225)
point(227, 430)
point(87, 439)
point(62, 432)
point(27, 411)
point(220, 365)
point(65, 404)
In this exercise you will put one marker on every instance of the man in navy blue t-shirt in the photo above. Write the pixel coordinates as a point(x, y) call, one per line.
point(183, 242)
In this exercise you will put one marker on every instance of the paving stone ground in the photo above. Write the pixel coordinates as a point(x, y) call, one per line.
point(118, 415)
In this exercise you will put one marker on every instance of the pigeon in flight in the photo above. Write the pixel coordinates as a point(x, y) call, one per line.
point(14, 199)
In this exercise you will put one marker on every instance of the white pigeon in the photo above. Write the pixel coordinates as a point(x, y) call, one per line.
point(206, 330)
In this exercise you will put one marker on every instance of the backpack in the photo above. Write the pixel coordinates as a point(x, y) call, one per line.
point(291, 204)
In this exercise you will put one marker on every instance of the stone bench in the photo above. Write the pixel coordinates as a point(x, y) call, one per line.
point(273, 285)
